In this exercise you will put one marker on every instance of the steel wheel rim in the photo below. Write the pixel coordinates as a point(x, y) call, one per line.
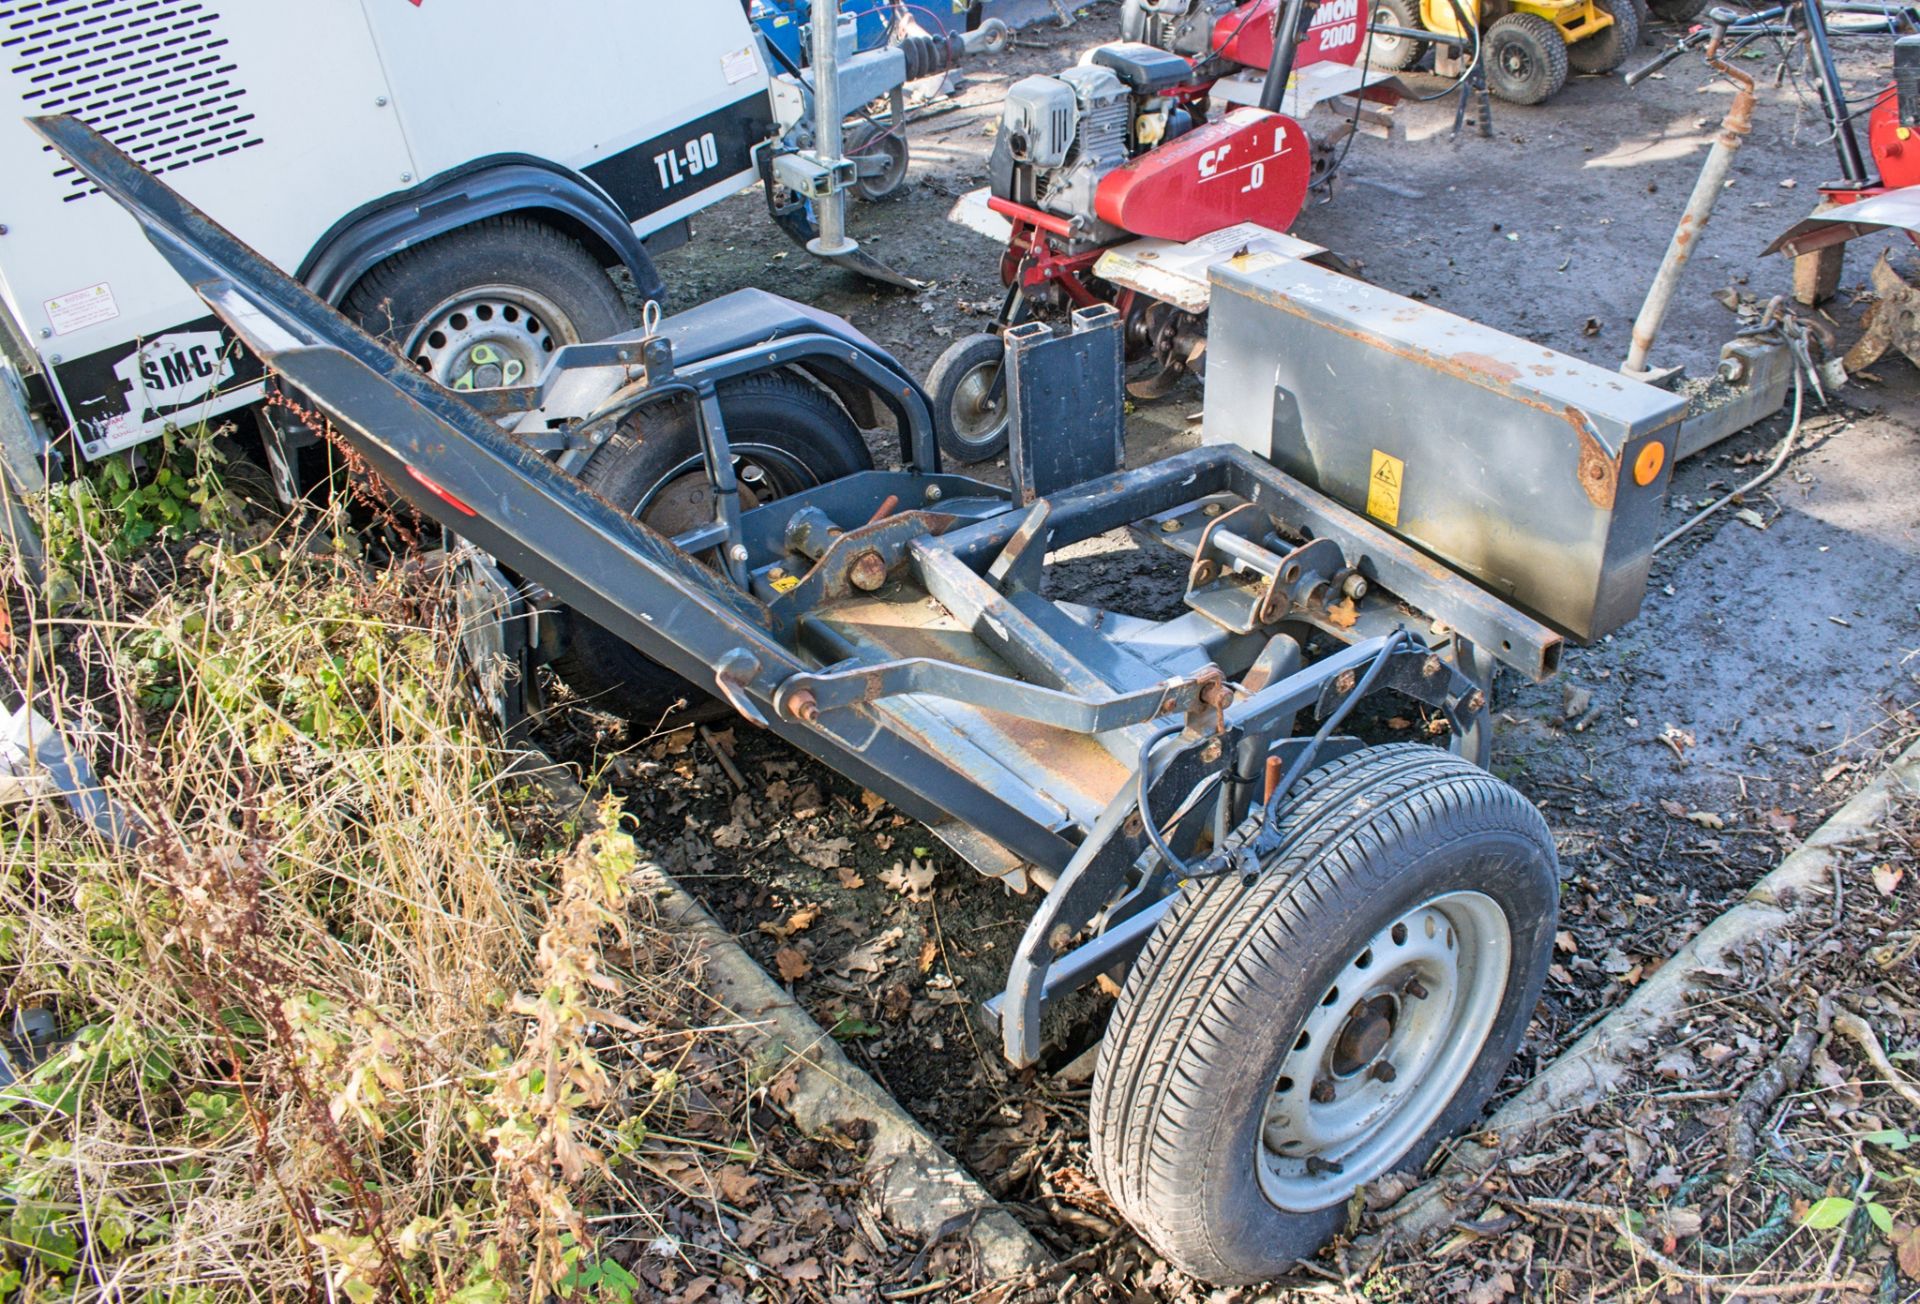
point(1419, 998)
point(1516, 62)
point(681, 500)
point(488, 337)
point(976, 415)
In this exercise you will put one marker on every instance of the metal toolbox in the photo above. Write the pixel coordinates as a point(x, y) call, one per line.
point(1536, 473)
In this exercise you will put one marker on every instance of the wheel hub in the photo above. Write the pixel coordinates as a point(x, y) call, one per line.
point(1389, 1044)
point(488, 337)
point(977, 410)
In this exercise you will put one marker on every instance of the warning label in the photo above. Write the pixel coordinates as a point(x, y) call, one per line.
point(1383, 487)
point(81, 309)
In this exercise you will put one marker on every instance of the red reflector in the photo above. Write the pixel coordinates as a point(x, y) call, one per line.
point(440, 493)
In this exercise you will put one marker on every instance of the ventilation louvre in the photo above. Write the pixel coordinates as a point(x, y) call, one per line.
point(152, 76)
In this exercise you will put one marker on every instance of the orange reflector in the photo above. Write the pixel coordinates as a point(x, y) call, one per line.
point(443, 495)
point(1648, 464)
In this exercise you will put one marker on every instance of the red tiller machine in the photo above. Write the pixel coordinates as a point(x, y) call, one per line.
point(1122, 179)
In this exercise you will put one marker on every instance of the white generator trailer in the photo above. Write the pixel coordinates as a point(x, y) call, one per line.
point(449, 174)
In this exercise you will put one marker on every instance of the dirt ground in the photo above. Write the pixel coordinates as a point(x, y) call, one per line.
point(1774, 666)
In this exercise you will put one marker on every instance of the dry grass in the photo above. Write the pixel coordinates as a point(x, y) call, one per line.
point(333, 1026)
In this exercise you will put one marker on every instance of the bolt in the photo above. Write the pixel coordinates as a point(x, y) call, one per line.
point(379, 101)
point(46, 332)
point(1344, 681)
point(803, 707)
point(1217, 695)
point(1210, 753)
point(1384, 1072)
point(738, 552)
point(1430, 667)
point(933, 493)
point(1415, 989)
point(406, 176)
point(1358, 1011)
point(1476, 700)
point(777, 573)
point(1211, 509)
point(1170, 526)
point(1354, 586)
point(1316, 1165)
point(1323, 1092)
point(3, 228)
point(868, 571)
point(56, 359)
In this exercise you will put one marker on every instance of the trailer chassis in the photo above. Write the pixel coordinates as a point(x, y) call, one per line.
point(894, 624)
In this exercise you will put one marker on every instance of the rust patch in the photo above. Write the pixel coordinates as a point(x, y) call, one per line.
point(1491, 367)
point(1599, 473)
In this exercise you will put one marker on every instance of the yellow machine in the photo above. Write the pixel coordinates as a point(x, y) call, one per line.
point(1528, 45)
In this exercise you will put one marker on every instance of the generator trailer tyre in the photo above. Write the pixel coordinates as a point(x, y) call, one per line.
point(486, 305)
point(1678, 11)
point(786, 435)
point(1393, 53)
point(1288, 1036)
point(1526, 59)
point(1613, 44)
point(971, 417)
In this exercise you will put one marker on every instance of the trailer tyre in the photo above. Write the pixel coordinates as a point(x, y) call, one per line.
point(1612, 46)
point(486, 305)
point(1526, 59)
point(888, 144)
point(971, 415)
point(1393, 53)
point(786, 436)
point(1281, 1042)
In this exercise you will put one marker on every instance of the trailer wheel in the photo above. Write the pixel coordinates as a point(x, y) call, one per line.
point(486, 305)
point(1392, 53)
point(1280, 1043)
point(1612, 46)
point(971, 416)
point(1526, 59)
point(891, 145)
point(786, 436)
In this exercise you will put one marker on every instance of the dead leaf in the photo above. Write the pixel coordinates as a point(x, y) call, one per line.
point(1907, 1251)
point(870, 955)
point(1887, 878)
point(805, 1270)
point(1747, 516)
point(929, 952)
point(1563, 941)
point(1343, 613)
point(792, 965)
point(850, 878)
point(913, 880)
point(797, 922)
point(1706, 819)
point(737, 1184)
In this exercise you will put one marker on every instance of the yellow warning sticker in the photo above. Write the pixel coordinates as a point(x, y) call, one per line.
point(784, 583)
point(1383, 487)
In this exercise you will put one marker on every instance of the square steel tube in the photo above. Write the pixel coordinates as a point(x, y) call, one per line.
point(1538, 475)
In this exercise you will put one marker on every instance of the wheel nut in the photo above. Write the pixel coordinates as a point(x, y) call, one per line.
point(1384, 1072)
point(1323, 1093)
point(1415, 989)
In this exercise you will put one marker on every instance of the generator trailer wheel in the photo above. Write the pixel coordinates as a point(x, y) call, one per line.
point(486, 305)
point(1526, 59)
point(971, 415)
point(1614, 44)
point(1286, 1038)
point(1678, 11)
point(785, 435)
point(1393, 53)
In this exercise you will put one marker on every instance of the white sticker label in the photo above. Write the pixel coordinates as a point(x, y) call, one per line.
point(81, 309)
point(737, 65)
